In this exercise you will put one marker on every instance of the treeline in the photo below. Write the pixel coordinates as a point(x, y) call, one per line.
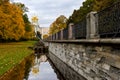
point(88, 6)
point(80, 14)
point(14, 22)
point(58, 24)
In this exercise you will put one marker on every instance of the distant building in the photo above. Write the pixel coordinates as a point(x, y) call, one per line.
point(44, 30)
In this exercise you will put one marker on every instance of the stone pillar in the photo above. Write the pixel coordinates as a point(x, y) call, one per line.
point(61, 32)
point(92, 31)
point(70, 31)
point(56, 34)
point(53, 36)
point(50, 37)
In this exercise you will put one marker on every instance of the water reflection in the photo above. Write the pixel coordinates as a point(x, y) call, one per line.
point(19, 71)
point(35, 68)
point(41, 70)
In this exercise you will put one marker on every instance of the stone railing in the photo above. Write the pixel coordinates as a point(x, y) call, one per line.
point(102, 24)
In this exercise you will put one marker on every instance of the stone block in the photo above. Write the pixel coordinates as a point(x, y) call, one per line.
point(106, 66)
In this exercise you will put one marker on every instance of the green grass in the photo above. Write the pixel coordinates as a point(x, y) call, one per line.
point(12, 54)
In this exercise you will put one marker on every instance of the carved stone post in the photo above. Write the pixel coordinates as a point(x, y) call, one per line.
point(61, 32)
point(70, 31)
point(92, 31)
point(56, 36)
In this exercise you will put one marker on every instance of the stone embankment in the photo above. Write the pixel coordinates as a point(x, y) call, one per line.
point(92, 60)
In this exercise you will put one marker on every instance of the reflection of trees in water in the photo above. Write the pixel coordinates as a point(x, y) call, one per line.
point(35, 68)
point(28, 65)
point(20, 71)
point(38, 58)
point(35, 71)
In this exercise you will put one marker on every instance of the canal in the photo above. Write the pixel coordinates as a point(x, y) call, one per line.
point(41, 65)
point(42, 69)
point(34, 67)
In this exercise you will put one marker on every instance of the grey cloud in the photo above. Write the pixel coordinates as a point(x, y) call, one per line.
point(49, 10)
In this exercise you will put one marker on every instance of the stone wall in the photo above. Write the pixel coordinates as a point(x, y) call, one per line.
point(66, 71)
point(91, 61)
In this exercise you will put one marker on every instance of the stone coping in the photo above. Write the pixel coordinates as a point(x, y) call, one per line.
point(104, 41)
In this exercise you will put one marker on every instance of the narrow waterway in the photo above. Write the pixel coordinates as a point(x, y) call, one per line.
point(41, 69)
point(34, 67)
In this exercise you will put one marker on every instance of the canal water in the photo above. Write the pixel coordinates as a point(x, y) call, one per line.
point(41, 69)
point(34, 67)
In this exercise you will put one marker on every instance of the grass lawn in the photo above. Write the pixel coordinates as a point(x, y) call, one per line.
point(12, 54)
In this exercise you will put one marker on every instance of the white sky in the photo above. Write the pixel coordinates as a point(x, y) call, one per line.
point(48, 10)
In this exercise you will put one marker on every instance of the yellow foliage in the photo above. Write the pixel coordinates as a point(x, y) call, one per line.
point(11, 22)
point(59, 24)
point(45, 36)
point(28, 35)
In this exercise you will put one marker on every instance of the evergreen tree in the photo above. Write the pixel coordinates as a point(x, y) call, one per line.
point(102, 4)
point(88, 6)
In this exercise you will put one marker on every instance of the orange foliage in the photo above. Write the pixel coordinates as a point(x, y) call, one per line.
point(11, 22)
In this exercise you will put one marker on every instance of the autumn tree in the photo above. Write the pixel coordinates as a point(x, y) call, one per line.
point(29, 31)
point(58, 24)
point(11, 22)
point(28, 26)
point(45, 36)
point(21, 6)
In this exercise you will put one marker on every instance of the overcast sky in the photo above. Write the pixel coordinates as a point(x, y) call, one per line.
point(48, 10)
